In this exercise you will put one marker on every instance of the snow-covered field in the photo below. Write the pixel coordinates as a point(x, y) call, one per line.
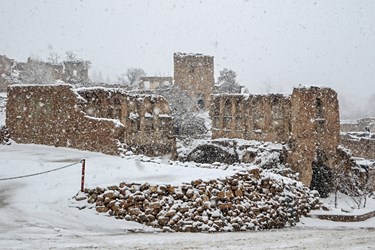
point(38, 212)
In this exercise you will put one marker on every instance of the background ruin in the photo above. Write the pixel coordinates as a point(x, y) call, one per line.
point(195, 74)
point(359, 137)
point(34, 71)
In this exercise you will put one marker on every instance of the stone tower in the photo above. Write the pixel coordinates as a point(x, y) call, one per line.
point(315, 129)
point(195, 74)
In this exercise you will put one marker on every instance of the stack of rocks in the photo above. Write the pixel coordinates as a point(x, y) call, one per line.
point(4, 135)
point(249, 200)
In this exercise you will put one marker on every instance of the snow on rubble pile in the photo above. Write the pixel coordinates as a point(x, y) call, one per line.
point(3, 98)
point(252, 199)
point(4, 135)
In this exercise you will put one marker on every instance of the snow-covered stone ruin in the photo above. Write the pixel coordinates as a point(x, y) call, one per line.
point(307, 121)
point(285, 150)
point(97, 119)
point(359, 137)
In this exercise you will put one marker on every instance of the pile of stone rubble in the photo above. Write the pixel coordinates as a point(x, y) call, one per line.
point(4, 135)
point(253, 199)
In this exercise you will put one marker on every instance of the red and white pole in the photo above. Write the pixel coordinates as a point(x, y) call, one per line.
point(83, 175)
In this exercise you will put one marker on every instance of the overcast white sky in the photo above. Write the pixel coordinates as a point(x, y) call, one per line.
point(282, 43)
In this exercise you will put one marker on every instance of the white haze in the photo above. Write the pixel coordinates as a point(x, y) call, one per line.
point(272, 45)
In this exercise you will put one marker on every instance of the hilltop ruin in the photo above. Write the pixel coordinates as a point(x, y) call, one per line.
point(38, 72)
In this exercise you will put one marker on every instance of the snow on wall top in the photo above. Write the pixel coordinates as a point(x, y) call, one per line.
point(182, 55)
point(312, 87)
point(111, 91)
point(247, 96)
point(56, 83)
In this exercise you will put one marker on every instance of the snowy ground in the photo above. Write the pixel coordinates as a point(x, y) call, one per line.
point(37, 212)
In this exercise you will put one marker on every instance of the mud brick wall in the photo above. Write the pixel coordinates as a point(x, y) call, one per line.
point(361, 147)
point(315, 124)
point(154, 82)
point(195, 74)
point(360, 126)
point(250, 117)
point(146, 118)
point(50, 115)
point(308, 121)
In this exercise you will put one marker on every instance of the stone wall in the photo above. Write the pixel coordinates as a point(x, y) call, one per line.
point(363, 147)
point(76, 72)
point(362, 125)
point(154, 82)
point(146, 118)
point(314, 126)
point(371, 179)
point(195, 74)
point(35, 71)
point(359, 137)
point(96, 119)
point(50, 115)
point(250, 117)
point(308, 121)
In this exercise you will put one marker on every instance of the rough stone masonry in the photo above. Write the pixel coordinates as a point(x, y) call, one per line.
point(248, 200)
point(96, 119)
point(308, 121)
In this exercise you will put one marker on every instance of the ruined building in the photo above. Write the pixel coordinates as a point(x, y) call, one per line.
point(359, 137)
point(362, 125)
point(6, 65)
point(39, 72)
point(195, 74)
point(111, 120)
point(76, 72)
point(152, 83)
point(96, 119)
point(308, 121)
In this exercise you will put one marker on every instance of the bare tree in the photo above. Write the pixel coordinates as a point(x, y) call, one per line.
point(351, 179)
point(70, 56)
point(53, 57)
point(134, 74)
point(188, 121)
